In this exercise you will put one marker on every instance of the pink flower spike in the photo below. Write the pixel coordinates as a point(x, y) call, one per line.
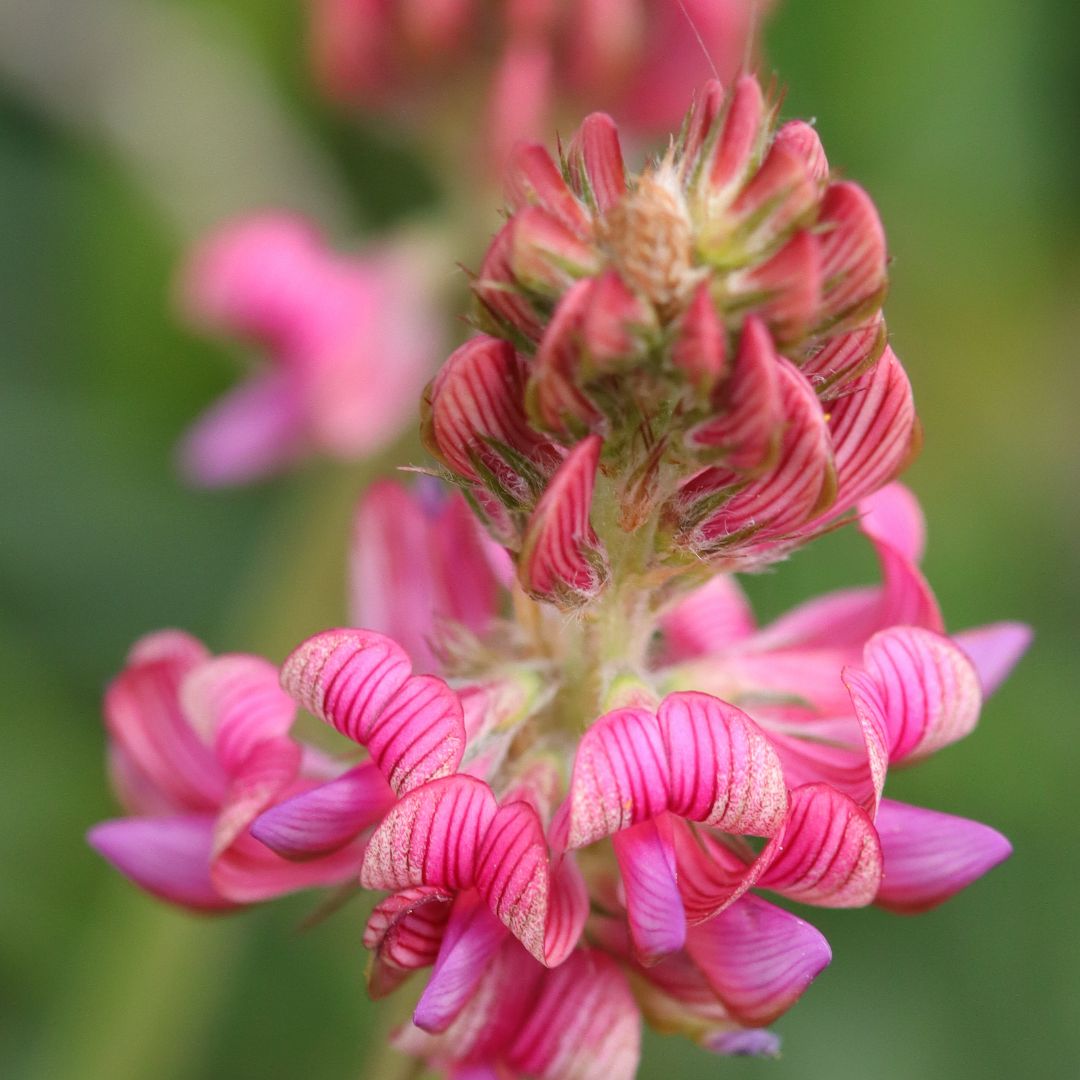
point(325, 818)
point(562, 559)
point(801, 137)
point(724, 772)
point(700, 350)
point(830, 855)
point(758, 958)
point(928, 691)
point(930, 856)
point(469, 942)
point(595, 162)
point(167, 856)
point(994, 650)
point(404, 933)
point(646, 857)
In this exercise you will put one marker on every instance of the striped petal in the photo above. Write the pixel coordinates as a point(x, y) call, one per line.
point(584, 1024)
point(829, 855)
point(930, 856)
point(852, 250)
point(562, 559)
point(620, 776)
point(431, 837)
point(928, 691)
point(533, 179)
point(326, 817)
point(700, 350)
point(404, 933)
point(595, 163)
point(654, 911)
point(843, 357)
point(787, 287)
point(758, 958)
point(723, 771)
point(236, 702)
point(800, 137)
point(738, 139)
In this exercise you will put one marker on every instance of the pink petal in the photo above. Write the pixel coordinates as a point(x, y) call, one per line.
point(893, 516)
point(782, 192)
point(654, 910)
point(325, 818)
point(994, 650)
point(799, 136)
point(787, 287)
point(533, 179)
point(929, 856)
point(700, 350)
point(431, 837)
point(829, 855)
point(144, 718)
point(236, 702)
point(501, 296)
point(269, 769)
point(168, 857)
point(561, 556)
point(614, 324)
point(255, 430)
point(595, 162)
point(404, 932)
point(928, 690)
point(758, 958)
point(710, 620)
point(852, 250)
point(519, 96)
point(544, 905)
point(176, 648)
point(740, 135)
point(584, 1024)
point(872, 427)
point(844, 357)
point(546, 257)
point(723, 771)
point(471, 938)
point(620, 777)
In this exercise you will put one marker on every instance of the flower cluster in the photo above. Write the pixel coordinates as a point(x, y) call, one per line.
point(584, 761)
point(534, 60)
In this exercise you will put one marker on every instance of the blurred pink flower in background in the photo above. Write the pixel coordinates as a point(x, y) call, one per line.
point(535, 60)
point(344, 343)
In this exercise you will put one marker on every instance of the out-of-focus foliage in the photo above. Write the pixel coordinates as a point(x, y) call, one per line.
point(958, 118)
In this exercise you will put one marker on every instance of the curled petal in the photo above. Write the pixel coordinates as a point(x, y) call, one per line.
point(544, 905)
point(758, 958)
point(404, 932)
point(994, 650)
point(236, 702)
point(621, 776)
point(326, 817)
point(654, 911)
point(929, 856)
point(595, 162)
point(927, 688)
point(168, 857)
point(469, 942)
point(431, 837)
point(561, 555)
point(723, 771)
point(829, 854)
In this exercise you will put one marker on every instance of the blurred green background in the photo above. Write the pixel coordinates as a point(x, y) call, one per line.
point(128, 125)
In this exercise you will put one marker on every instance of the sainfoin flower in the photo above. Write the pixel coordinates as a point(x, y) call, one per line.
point(585, 766)
point(642, 59)
point(343, 343)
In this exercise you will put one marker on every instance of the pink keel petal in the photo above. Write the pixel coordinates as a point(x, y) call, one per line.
point(829, 854)
point(326, 817)
point(994, 650)
point(595, 162)
point(929, 856)
point(168, 857)
point(470, 941)
point(710, 620)
point(723, 770)
point(758, 958)
point(255, 430)
point(654, 910)
point(431, 837)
